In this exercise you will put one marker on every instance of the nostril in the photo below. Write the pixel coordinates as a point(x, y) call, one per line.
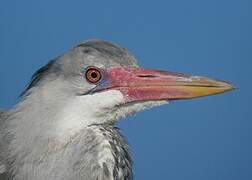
point(147, 76)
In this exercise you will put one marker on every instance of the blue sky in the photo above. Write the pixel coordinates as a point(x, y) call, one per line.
point(207, 138)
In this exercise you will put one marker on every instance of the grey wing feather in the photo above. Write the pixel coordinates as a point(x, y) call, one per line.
point(3, 170)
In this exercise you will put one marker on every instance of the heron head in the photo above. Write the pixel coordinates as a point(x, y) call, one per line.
point(99, 82)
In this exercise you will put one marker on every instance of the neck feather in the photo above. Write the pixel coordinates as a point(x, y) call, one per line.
point(96, 152)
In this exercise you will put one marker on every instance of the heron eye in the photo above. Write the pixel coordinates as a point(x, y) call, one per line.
point(93, 75)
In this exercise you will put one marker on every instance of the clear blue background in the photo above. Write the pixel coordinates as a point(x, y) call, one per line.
point(202, 139)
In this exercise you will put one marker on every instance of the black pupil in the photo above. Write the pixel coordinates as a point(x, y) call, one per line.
point(94, 75)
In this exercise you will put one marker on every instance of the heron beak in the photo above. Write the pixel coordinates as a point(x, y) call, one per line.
point(138, 84)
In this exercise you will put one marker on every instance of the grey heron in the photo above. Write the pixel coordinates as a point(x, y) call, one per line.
point(63, 128)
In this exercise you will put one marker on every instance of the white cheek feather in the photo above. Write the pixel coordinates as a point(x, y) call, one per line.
point(132, 108)
point(98, 108)
point(82, 111)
